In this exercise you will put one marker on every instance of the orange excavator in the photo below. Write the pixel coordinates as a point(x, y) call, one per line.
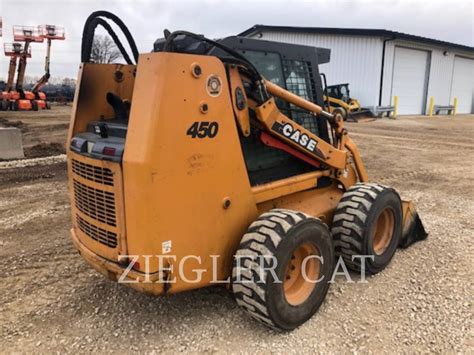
point(14, 51)
point(48, 32)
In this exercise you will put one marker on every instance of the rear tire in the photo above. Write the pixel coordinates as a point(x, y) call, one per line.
point(15, 105)
point(34, 105)
point(367, 221)
point(288, 237)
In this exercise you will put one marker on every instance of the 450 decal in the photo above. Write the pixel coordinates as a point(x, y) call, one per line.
point(203, 129)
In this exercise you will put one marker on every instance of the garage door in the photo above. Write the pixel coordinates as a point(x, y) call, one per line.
point(463, 84)
point(410, 79)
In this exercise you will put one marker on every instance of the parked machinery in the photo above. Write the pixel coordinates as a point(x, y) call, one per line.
point(48, 32)
point(193, 151)
point(21, 99)
point(17, 98)
point(14, 51)
point(339, 100)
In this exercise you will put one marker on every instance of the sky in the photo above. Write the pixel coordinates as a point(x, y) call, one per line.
point(449, 20)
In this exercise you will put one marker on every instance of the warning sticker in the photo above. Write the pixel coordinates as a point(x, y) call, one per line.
point(166, 247)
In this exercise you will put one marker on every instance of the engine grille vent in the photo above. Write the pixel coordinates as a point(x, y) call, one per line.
point(95, 203)
point(98, 234)
point(93, 173)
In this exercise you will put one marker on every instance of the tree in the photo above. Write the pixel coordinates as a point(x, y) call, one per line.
point(104, 50)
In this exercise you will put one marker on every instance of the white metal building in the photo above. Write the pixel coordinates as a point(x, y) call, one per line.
point(381, 64)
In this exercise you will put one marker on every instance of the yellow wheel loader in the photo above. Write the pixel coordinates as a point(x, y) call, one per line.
point(212, 162)
point(339, 101)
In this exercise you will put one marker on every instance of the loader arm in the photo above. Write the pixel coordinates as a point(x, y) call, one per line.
point(45, 78)
point(298, 137)
point(335, 156)
point(41, 83)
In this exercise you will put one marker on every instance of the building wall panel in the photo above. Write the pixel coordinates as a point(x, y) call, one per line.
point(440, 77)
point(358, 61)
point(410, 79)
point(462, 84)
point(354, 59)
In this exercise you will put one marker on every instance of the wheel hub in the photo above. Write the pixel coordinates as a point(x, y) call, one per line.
point(299, 283)
point(382, 231)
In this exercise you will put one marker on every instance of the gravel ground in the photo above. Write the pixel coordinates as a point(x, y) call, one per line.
point(51, 301)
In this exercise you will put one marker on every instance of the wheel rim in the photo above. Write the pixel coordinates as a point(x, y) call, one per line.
point(382, 231)
point(297, 285)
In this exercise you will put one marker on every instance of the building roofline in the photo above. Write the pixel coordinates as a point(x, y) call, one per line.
point(355, 32)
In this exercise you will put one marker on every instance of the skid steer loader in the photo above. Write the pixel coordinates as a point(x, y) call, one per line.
point(213, 162)
point(339, 100)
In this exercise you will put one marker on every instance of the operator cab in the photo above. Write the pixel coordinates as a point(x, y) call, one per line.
point(340, 92)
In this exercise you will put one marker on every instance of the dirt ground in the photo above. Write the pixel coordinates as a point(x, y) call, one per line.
point(43, 132)
point(51, 301)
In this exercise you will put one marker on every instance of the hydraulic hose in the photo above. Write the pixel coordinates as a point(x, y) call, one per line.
point(88, 35)
point(90, 39)
point(169, 47)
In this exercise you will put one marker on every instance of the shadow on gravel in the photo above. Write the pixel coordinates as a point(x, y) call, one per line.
point(115, 307)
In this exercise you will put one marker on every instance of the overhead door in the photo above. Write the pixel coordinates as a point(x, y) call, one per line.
point(463, 84)
point(410, 80)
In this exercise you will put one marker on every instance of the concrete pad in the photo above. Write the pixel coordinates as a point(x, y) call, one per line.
point(11, 145)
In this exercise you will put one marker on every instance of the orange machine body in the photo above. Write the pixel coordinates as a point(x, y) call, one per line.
point(173, 195)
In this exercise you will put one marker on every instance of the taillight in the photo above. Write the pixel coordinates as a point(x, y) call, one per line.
point(108, 151)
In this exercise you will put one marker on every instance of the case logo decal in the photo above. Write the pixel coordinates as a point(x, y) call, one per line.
point(296, 136)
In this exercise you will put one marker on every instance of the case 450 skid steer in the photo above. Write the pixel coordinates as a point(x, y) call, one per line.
point(216, 156)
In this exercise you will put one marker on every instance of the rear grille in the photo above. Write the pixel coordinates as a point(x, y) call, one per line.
point(95, 203)
point(93, 173)
point(98, 234)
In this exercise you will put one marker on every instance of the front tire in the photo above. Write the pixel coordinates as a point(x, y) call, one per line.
point(289, 296)
point(367, 222)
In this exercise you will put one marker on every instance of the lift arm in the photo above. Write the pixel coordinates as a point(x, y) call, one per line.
point(339, 155)
point(21, 68)
point(11, 72)
point(300, 138)
point(44, 79)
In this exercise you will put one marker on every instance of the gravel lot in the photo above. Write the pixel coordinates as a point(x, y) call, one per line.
point(51, 301)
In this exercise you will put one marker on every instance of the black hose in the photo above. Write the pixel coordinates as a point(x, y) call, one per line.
point(88, 35)
point(120, 108)
point(260, 93)
point(90, 38)
point(169, 46)
point(118, 22)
